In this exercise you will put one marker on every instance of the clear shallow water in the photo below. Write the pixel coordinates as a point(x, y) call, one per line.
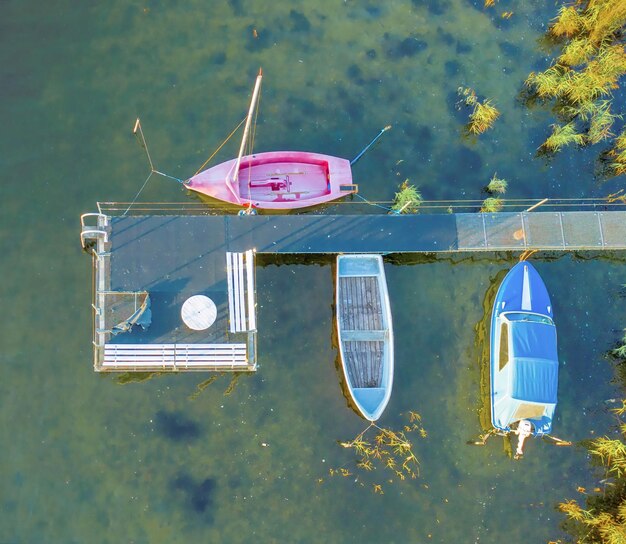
point(86, 459)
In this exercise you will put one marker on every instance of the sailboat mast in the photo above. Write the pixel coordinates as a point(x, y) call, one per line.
point(246, 130)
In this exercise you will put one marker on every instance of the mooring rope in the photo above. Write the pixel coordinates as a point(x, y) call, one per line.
point(168, 176)
point(220, 147)
point(353, 161)
point(138, 132)
point(371, 203)
point(138, 193)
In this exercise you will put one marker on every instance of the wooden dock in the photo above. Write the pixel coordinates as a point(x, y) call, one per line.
point(156, 262)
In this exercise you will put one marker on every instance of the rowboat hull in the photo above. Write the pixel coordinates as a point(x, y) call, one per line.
point(364, 332)
point(277, 180)
point(523, 353)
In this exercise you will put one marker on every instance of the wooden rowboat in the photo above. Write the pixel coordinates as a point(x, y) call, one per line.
point(365, 333)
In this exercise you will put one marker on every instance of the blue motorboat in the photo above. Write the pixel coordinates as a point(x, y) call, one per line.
point(523, 355)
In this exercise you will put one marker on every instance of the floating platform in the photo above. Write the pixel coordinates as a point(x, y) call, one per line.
point(147, 266)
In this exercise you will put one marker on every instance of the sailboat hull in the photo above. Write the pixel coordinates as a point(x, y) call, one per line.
point(277, 180)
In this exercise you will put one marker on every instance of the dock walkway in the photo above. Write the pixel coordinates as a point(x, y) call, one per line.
point(382, 234)
point(146, 266)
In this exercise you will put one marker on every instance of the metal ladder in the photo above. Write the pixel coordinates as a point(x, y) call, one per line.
point(89, 233)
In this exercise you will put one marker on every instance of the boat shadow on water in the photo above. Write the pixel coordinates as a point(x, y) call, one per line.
point(481, 354)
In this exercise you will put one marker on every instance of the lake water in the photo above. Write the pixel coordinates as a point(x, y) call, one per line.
point(86, 459)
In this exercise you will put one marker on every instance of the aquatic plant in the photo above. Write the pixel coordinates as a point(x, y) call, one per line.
point(549, 83)
point(612, 162)
point(388, 448)
point(604, 518)
point(135, 377)
point(233, 383)
point(203, 385)
point(407, 200)
point(567, 23)
point(492, 205)
point(618, 155)
point(562, 135)
point(588, 67)
point(620, 351)
point(483, 117)
point(484, 114)
point(497, 185)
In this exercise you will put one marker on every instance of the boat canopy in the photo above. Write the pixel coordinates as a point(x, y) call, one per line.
point(534, 376)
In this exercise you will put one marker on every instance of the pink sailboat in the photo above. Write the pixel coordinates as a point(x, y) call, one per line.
point(276, 180)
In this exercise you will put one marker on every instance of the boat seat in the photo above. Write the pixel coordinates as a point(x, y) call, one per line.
point(364, 336)
point(369, 397)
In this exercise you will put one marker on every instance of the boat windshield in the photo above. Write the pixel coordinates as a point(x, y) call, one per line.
point(535, 318)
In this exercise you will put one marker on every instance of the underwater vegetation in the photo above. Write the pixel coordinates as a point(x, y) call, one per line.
point(227, 392)
point(484, 114)
point(134, 377)
point(613, 159)
point(407, 200)
point(604, 518)
point(389, 449)
point(198, 496)
point(497, 185)
point(591, 60)
point(176, 426)
point(492, 204)
point(561, 136)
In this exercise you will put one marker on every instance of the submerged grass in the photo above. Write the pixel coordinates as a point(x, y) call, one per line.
point(407, 200)
point(484, 114)
point(492, 205)
point(604, 517)
point(587, 69)
point(562, 135)
point(497, 185)
point(389, 449)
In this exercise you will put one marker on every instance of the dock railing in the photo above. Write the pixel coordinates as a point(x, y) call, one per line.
point(611, 202)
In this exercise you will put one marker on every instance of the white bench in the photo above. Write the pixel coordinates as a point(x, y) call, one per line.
point(240, 278)
point(174, 355)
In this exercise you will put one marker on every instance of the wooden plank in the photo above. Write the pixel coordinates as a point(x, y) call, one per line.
point(174, 355)
point(360, 307)
point(242, 362)
point(209, 346)
point(221, 357)
point(149, 364)
point(229, 282)
point(205, 357)
point(364, 335)
point(242, 290)
point(170, 347)
point(250, 290)
point(176, 360)
point(364, 361)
